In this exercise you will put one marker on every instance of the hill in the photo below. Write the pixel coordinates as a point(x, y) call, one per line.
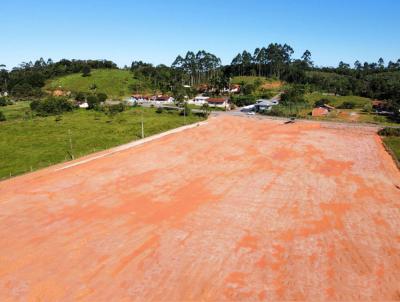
point(113, 82)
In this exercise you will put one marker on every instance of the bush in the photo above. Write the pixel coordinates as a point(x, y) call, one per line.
point(3, 102)
point(51, 106)
point(2, 117)
point(159, 110)
point(347, 105)
point(368, 107)
point(86, 71)
point(186, 111)
point(321, 102)
point(80, 97)
point(102, 97)
point(243, 100)
point(114, 109)
point(389, 131)
point(93, 102)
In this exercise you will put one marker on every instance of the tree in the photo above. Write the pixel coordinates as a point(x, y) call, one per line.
point(80, 97)
point(357, 65)
point(93, 102)
point(381, 63)
point(306, 57)
point(205, 108)
point(86, 71)
point(102, 97)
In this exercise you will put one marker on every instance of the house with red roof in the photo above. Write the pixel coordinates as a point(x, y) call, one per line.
point(219, 102)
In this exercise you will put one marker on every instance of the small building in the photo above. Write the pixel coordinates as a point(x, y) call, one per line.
point(379, 105)
point(319, 112)
point(84, 105)
point(262, 105)
point(199, 100)
point(249, 108)
point(163, 99)
point(219, 102)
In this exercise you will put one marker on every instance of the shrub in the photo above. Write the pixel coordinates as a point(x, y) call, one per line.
point(102, 97)
point(3, 102)
point(159, 110)
point(243, 100)
point(347, 105)
point(80, 97)
point(51, 106)
point(93, 102)
point(2, 117)
point(86, 71)
point(321, 102)
point(368, 107)
point(114, 109)
point(186, 110)
point(389, 131)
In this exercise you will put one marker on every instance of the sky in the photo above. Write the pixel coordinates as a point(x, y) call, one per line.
point(157, 31)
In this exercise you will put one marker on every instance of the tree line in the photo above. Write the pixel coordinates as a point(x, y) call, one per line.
point(28, 78)
point(369, 79)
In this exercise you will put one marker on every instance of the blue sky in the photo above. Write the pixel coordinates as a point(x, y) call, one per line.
point(156, 31)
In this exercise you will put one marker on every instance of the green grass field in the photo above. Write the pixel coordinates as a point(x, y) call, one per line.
point(33, 143)
point(393, 142)
point(247, 79)
point(335, 101)
point(114, 82)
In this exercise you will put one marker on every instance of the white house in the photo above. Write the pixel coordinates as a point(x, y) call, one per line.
point(163, 99)
point(219, 102)
point(199, 100)
point(84, 105)
point(265, 105)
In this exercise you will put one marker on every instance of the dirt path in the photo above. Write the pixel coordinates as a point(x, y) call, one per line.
point(235, 209)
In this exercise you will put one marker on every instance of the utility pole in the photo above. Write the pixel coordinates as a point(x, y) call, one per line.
point(142, 123)
point(184, 112)
point(70, 144)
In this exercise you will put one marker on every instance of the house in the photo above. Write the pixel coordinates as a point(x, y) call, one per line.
point(379, 105)
point(138, 98)
point(199, 100)
point(235, 88)
point(320, 111)
point(264, 105)
point(219, 102)
point(249, 108)
point(328, 107)
point(84, 105)
point(163, 99)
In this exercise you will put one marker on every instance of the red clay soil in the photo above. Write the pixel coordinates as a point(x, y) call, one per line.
point(239, 209)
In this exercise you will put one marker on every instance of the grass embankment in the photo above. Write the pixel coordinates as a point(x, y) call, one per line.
point(393, 143)
point(391, 139)
point(113, 82)
point(336, 101)
point(357, 114)
point(31, 143)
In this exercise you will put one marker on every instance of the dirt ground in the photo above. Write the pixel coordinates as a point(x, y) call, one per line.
point(236, 209)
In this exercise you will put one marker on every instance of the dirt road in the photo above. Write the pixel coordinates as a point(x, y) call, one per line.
point(236, 209)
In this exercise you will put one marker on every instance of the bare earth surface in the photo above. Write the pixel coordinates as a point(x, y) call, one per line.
point(237, 209)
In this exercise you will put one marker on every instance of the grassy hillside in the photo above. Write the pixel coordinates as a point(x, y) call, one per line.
point(393, 142)
point(335, 101)
point(32, 143)
point(114, 82)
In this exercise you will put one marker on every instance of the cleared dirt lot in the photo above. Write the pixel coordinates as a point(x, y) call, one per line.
point(239, 208)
